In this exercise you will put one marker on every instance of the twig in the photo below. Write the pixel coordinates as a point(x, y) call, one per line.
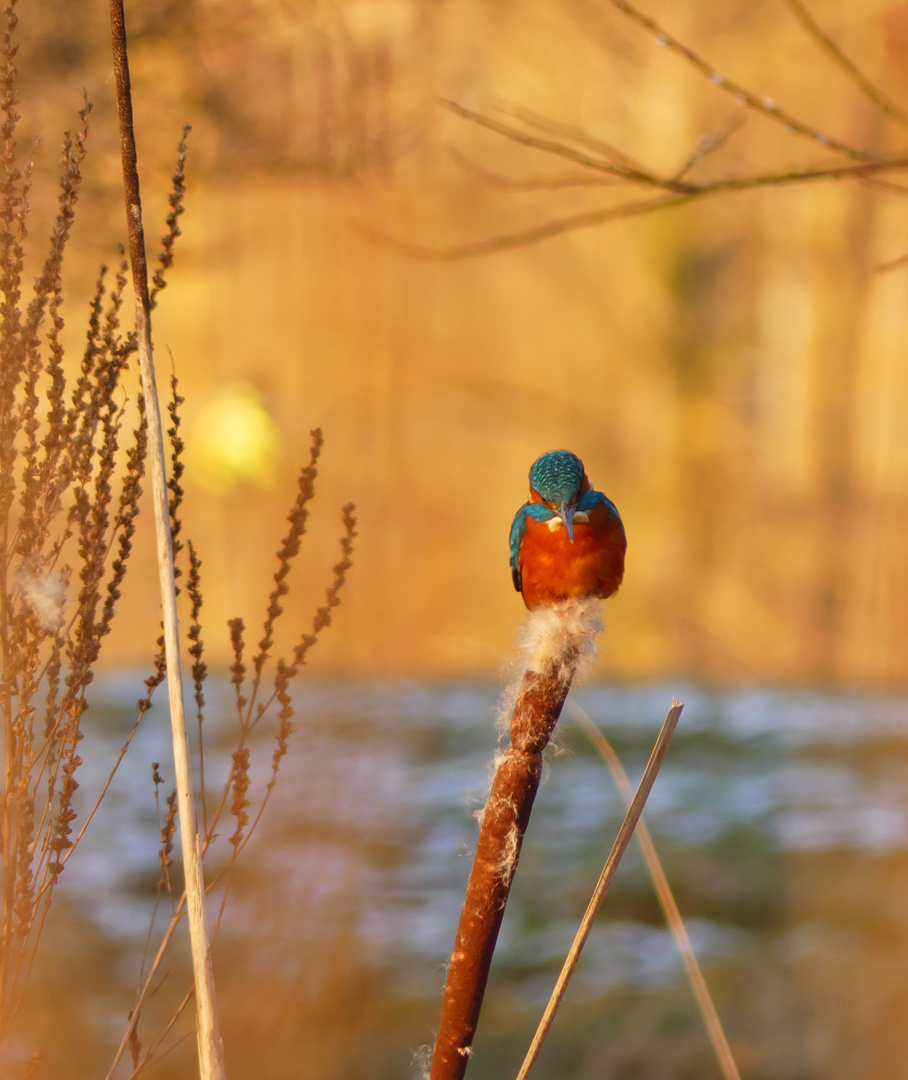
point(146, 986)
point(889, 186)
point(608, 872)
point(709, 144)
point(211, 1060)
point(882, 102)
point(538, 183)
point(508, 241)
point(893, 264)
point(687, 193)
point(765, 105)
point(624, 172)
point(673, 917)
point(675, 185)
point(567, 131)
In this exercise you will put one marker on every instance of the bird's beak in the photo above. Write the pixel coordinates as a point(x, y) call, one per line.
point(566, 513)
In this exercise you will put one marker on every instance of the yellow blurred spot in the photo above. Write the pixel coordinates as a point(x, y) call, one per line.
point(232, 441)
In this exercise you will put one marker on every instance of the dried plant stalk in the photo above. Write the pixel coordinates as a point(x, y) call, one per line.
point(211, 1058)
point(714, 1029)
point(631, 820)
point(234, 797)
point(60, 459)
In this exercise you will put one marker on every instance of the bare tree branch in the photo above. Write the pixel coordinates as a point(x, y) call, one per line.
point(678, 193)
point(765, 105)
point(709, 144)
point(532, 183)
point(624, 172)
point(884, 103)
point(569, 132)
point(893, 264)
point(526, 236)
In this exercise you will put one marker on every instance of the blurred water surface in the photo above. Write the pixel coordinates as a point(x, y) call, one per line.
point(782, 818)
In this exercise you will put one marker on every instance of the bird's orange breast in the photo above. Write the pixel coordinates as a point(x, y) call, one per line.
point(553, 569)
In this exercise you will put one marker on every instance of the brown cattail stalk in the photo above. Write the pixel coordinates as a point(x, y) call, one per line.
point(211, 1058)
point(560, 642)
point(504, 822)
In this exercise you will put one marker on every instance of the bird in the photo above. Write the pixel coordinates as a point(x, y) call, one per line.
point(567, 540)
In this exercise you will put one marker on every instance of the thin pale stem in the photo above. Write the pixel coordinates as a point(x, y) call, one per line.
point(673, 918)
point(211, 1053)
point(146, 987)
point(619, 847)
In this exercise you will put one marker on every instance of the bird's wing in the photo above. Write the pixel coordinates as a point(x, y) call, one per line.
point(518, 530)
point(591, 499)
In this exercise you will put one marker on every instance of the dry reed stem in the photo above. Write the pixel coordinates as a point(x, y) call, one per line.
point(211, 1059)
point(504, 821)
point(673, 917)
point(631, 818)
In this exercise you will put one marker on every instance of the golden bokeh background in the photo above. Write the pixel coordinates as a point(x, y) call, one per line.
point(732, 372)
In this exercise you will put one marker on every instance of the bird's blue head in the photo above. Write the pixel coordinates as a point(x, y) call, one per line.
point(557, 479)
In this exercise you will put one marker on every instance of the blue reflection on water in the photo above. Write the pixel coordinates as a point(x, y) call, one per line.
point(375, 802)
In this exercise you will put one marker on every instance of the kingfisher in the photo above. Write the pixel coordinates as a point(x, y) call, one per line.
point(567, 540)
